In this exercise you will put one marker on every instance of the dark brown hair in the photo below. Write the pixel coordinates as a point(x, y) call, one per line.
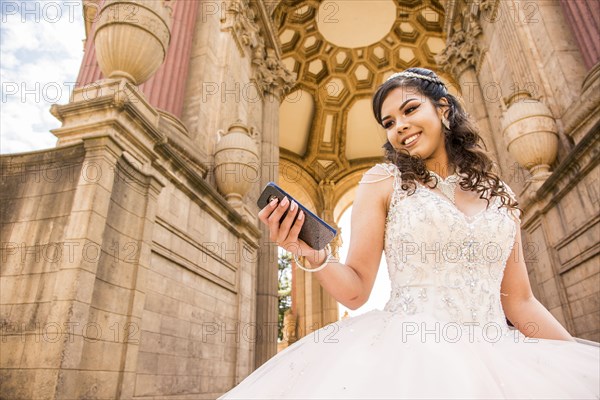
point(465, 148)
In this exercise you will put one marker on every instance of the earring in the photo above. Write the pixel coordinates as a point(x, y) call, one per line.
point(446, 123)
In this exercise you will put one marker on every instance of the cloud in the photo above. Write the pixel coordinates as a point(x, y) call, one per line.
point(41, 48)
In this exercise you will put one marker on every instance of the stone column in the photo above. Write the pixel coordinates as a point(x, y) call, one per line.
point(274, 81)
point(329, 305)
point(165, 89)
point(460, 58)
point(266, 282)
point(584, 17)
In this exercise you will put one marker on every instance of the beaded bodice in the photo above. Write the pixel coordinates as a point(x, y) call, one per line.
point(442, 262)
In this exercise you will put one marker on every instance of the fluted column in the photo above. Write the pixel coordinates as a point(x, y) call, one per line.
point(584, 18)
point(165, 90)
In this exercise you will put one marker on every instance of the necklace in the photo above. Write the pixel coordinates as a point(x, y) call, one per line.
point(448, 185)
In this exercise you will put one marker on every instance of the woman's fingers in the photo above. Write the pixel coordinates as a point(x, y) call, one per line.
point(275, 217)
point(266, 211)
point(295, 231)
point(286, 224)
point(286, 233)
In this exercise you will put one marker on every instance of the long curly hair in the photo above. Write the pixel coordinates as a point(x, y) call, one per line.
point(464, 146)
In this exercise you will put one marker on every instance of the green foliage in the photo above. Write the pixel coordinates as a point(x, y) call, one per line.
point(284, 288)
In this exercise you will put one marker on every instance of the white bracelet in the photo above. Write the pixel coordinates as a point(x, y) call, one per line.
point(316, 269)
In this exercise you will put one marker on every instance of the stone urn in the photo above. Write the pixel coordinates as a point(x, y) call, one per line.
point(132, 38)
point(530, 134)
point(236, 162)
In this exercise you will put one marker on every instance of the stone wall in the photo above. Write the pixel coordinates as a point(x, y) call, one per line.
point(37, 192)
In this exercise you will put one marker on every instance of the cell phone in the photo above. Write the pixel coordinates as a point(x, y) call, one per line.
point(314, 232)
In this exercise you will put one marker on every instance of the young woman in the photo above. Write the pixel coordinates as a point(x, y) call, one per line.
point(450, 229)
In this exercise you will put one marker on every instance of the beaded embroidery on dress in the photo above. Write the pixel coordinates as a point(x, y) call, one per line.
point(442, 333)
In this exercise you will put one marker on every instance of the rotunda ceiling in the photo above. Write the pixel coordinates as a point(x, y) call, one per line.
point(341, 51)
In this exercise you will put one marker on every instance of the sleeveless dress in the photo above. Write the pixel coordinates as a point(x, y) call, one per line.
point(443, 333)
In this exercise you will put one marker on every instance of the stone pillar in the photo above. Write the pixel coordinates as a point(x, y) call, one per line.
point(266, 281)
point(329, 305)
point(584, 17)
point(165, 89)
point(460, 58)
point(275, 82)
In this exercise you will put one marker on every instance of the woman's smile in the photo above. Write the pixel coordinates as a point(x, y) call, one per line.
point(411, 140)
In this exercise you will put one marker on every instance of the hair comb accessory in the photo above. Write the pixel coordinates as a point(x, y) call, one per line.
point(408, 74)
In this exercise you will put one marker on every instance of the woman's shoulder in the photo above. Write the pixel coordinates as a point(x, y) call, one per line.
point(380, 172)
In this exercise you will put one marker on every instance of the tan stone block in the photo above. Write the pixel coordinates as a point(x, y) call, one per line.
point(151, 321)
point(43, 350)
point(551, 297)
point(585, 270)
point(587, 323)
point(151, 342)
point(86, 225)
point(75, 284)
point(161, 236)
point(147, 363)
point(583, 288)
point(180, 292)
point(161, 304)
point(147, 385)
point(91, 197)
point(55, 205)
point(174, 327)
point(16, 384)
point(76, 384)
point(155, 282)
point(205, 301)
point(111, 297)
point(11, 350)
point(44, 384)
point(172, 365)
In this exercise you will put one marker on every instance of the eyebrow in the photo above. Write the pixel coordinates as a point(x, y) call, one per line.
point(399, 108)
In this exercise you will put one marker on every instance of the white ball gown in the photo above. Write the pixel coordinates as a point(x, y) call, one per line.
point(443, 332)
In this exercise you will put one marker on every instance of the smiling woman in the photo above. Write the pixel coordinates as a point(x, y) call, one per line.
point(41, 51)
point(455, 261)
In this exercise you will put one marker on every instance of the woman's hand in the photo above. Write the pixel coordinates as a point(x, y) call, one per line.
point(286, 234)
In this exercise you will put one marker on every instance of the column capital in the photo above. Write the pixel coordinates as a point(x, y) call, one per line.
point(463, 49)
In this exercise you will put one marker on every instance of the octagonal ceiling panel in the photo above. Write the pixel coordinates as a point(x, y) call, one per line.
point(338, 21)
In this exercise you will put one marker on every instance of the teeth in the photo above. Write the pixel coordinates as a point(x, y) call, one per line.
point(411, 139)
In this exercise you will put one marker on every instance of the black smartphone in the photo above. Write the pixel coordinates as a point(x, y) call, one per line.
point(315, 232)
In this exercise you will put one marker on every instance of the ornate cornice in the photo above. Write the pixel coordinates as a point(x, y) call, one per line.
point(463, 49)
point(270, 74)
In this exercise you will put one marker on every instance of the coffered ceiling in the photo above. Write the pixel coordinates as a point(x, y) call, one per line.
point(341, 51)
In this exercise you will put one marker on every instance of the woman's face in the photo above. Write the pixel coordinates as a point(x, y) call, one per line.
point(413, 123)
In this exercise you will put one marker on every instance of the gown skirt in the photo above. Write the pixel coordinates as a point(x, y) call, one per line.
point(383, 355)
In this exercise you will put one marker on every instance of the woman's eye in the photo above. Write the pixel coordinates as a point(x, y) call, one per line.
point(387, 125)
point(411, 109)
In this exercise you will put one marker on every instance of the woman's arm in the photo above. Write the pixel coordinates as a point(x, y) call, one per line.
point(522, 309)
point(350, 283)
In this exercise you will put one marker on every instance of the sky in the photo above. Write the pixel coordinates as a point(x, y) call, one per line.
point(41, 48)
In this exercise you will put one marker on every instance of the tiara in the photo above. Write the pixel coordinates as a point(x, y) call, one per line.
point(408, 74)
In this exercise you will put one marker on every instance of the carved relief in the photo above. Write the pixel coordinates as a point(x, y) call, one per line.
point(463, 49)
point(270, 74)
